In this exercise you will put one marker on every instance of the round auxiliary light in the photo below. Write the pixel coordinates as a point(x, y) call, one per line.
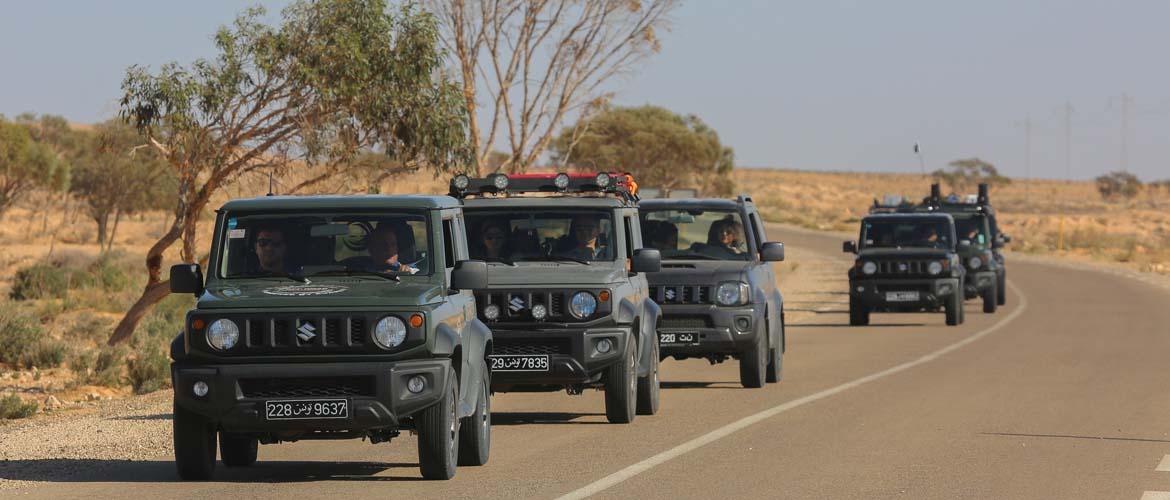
point(934, 267)
point(390, 332)
point(561, 181)
point(604, 346)
point(602, 180)
point(868, 268)
point(539, 312)
point(491, 312)
point(500, 181)
point(461, 182)
point(223, 334)
point(416, 321)
point(603, 295)
point(416, 384)
point(200, 388)
point(583, 305)
point(975, 263)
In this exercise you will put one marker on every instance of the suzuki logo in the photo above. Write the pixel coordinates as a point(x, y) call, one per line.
point(516, 304)
point(902, 267)
point(306, 332)
point(670, 294)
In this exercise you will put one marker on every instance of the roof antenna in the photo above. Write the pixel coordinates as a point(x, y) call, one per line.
point(269, 183)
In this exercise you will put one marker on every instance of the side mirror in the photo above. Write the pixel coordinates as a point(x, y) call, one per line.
point(772, 251)
point(1005, 238)
point(849, 247)
point(187, 278)
point(646, 260)
point(469, 275)
point(964, 244)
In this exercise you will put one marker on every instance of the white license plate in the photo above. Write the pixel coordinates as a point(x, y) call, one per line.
point(678, 338)
point(306, 409)
point(901, 296)
point(520, 363)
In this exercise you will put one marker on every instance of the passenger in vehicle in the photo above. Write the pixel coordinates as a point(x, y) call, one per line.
point(664, 237)
point(584, 239)
point(493, 235)
point(384, 249)
point(271, 249)
point(726, 235)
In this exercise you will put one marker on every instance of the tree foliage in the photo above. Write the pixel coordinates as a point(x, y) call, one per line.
point(27, 164)
point(661, 148)
point(335, 79)
point(1118, 185)
point(965, 174)
point(539, 61)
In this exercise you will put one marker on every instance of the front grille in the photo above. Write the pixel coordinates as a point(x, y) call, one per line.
point(902, 267)
point(516, 305)
point(681, 294)
point(551, 346)
point(685, 322)
point(307, 387)
point(329, 332)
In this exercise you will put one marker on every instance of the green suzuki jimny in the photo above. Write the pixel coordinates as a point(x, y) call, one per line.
point(333, 317)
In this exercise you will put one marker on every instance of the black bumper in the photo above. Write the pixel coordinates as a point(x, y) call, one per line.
point(932, 293)
point(716, 327)
point(573, 356)
point(978, 282)
point(376, 392)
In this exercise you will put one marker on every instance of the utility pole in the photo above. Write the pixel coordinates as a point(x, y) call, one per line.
point(1068, 111)
point(921, 162)
point(1126, 100)
point(1027, 156)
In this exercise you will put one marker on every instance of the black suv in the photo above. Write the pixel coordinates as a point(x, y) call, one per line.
point(906, 262)
point(982, 255)
point(717, 288)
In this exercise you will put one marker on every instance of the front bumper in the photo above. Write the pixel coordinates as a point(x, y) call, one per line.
point(717, 328)
point(979, 282)
point(932, 292)
point(376, 391)
point(573, 356)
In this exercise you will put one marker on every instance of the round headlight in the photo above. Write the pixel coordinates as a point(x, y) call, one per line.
point(539, 312)
point(491, 312)
point(729, 293)
point(583, 305)
point(390, 332)
point(934, 267)
point(868, 268)
point(561, 181)
point(223, 334)
point(461, 182)
point(500, 181)
point(974, 263)
point(602, 180)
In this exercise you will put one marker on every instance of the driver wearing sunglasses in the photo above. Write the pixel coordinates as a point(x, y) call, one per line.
point(271, 249)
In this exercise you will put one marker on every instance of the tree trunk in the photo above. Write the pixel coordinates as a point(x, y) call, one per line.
point(153, 294)
point(114, 230)
point(103, 222)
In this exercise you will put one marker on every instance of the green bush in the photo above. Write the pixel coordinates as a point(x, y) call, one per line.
point(108, 273)
point(46, 353)
point(12, 407)
point(102, 368)
point(40, 281)
point(19, 333)
point(149, 371)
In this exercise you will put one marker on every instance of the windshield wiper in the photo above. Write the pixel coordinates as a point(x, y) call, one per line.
point(356, 272)
point(500, 260)
point(554, 258)
point(692, 256)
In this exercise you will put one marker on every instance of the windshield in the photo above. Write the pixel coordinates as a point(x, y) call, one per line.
point(695, 234)
point(974, 229)
point(906, 233)
point(303, 245)
point(534, 235)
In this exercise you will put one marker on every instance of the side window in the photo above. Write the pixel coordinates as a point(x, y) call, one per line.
point(449, 243)
point(629, 236)
point(757, 232)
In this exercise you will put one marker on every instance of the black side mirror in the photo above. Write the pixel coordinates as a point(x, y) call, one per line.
point(964, 244)
point(1005, 238)
point(646, 260)
point(187, 278)
point(849, 247)
point(469, 275)
point(772, 251)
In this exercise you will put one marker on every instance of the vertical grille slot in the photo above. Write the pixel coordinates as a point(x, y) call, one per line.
point(255, 328)
point(281, 332)
point(704, 294)
point(357, 331)
point(556, 305)
point(332, 332)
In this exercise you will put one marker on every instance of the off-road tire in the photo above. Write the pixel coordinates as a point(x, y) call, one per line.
point(991, 299)
point(438, 434)
point(475, 430)
point(1001, 290)
point(858, 313)
point(775, 370)
point(194, 439)
point(954, 309)
point(236, 450)
point(753, 362)
point(648, 386)
point(621, 381)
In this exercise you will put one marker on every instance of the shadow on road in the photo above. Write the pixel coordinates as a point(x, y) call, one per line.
point(526, 418)
point(846, 325)
point(163, 471)
point(700, 385)
point(156, 416)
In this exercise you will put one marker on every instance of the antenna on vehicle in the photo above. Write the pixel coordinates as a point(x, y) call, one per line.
point(983, 198)
point(935, 195)
point(269, 183)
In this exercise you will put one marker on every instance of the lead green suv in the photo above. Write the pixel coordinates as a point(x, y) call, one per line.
point(333, 318)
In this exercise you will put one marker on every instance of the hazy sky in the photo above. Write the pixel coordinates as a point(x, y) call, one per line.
point(842, 85)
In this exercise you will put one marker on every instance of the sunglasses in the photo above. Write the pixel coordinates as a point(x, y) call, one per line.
point(266, 242)
point(493, 236)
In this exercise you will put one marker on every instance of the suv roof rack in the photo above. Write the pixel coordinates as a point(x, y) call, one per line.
point(621, 185)
point(971, 203)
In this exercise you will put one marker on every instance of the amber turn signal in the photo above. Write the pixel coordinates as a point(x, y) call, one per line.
point(416, 320)
point(197, 324)
point(604, 295)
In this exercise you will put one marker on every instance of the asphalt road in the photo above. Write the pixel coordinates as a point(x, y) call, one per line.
point(1061, 394)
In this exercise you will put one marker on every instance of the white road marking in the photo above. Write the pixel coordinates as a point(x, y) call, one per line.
point(656, 460)
point(1164, 466)
point(1156, 495)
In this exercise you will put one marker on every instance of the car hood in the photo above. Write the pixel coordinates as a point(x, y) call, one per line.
point(904, 253)
point(546, 274)
point(698, 272)
point(327, 293)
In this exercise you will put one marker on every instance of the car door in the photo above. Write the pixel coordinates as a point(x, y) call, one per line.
point(763, 275)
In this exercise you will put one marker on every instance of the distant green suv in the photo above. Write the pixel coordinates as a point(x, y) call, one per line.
point(717, 288)
point(976, 226)
point(333, 317)
point(906, 262)
point(567, 300)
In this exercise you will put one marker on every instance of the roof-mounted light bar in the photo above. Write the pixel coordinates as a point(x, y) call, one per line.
point(463, 186)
